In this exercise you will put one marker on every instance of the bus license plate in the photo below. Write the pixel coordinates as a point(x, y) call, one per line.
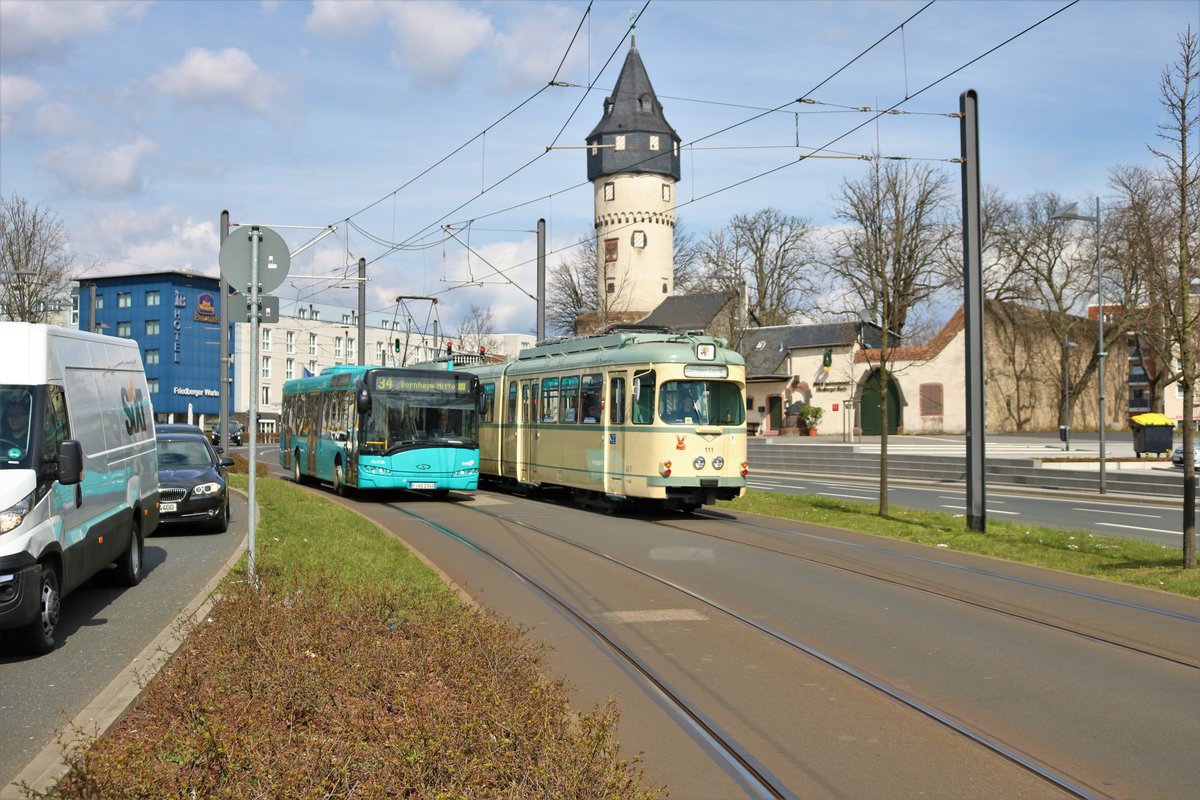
point(168, 507)
point(422, 485)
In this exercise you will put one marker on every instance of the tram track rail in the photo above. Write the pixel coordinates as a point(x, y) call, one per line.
point(741, 765)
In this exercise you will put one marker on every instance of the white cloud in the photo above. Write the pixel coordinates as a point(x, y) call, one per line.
point(15, 92)
point(207, 77)
point(39, 31)
point(58, 120)
point(342, 18)
point(121, 241)
point(530, 50)
point(437, 38)
point(83, 170)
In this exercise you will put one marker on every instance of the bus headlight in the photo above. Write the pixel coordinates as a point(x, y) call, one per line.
point(15, 514)
point(718, 463)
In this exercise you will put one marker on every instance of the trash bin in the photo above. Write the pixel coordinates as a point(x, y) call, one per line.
point(1152, 433)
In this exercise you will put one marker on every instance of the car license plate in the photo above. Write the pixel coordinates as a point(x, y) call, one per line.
point(422, 485)
point(168, 507)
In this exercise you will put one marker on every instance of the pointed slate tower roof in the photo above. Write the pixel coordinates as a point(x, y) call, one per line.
point(633, 110)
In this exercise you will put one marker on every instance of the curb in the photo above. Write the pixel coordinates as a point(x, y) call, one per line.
point(109, 706)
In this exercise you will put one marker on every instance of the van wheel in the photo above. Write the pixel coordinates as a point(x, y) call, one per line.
point(38, 634)
point(129, 565)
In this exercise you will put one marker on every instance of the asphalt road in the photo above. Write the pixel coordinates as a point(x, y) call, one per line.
point(1126, 517)
point(103, 629)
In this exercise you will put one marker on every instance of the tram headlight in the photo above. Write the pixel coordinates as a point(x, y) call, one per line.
point(718, 463)
point(698, 462)
point(664, 468)
point(745, 468)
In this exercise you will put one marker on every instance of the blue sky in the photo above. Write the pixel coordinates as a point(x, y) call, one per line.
point(138, 122)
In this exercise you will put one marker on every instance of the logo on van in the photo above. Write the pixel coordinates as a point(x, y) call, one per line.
point(133, 403)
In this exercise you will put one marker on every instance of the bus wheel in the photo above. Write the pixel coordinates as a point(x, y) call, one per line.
point(38, 634)
point(339, 478)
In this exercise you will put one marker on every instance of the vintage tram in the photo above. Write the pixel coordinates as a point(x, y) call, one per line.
point(629, 417)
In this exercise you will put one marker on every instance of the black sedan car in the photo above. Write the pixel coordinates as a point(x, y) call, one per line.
point(235, 434)
point(191, 482)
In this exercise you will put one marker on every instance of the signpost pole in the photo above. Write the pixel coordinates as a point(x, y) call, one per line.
point(252, 516)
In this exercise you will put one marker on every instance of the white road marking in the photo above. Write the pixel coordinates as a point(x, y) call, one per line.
point(990, 510)
point(1119, 513)
point(1138, 528)
point(654, 615)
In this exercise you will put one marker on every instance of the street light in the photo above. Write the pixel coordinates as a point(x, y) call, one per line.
point(1070, 212)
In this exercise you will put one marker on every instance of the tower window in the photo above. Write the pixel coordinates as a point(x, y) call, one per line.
point(638, 239)
point(612, 287)
point(664, 288)
point(666, 193)
point(610, 250)
point(653, 142)
point(610, 191)
point(677, 149)
point(619, 142)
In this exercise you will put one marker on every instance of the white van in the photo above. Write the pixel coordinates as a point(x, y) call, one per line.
point(78, 470)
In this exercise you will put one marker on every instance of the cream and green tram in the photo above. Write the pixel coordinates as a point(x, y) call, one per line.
point(624, 418)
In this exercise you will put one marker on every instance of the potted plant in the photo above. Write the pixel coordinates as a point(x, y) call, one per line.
point(809, 417)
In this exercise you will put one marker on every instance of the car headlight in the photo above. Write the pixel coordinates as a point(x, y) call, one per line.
point(207, 488)
point(15, 514)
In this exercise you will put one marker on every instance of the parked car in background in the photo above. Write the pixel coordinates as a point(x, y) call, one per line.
point(191, 482)
point(1177, 456)
point(235, 433)
point(176, 427)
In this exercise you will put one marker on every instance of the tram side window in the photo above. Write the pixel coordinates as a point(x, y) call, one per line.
point(549, 399)
point(569, 398)
point(616, 401)
point(511, 416)
point(643, 398)
point(590, 389)
point(488, 413)
point(529, 401)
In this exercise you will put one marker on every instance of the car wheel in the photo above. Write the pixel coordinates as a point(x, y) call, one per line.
point(38, 634)
point(129, 565)
point(222, 522)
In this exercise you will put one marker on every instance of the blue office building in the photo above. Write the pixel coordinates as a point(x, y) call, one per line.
point(175, 317)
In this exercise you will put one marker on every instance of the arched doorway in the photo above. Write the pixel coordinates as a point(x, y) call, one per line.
point(871, 419)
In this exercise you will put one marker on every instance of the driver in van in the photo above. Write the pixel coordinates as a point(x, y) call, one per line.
point(16, 421)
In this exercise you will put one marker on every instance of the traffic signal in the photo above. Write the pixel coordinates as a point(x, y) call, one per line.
point(827, 358)
point(449, 348)
point(396, 346)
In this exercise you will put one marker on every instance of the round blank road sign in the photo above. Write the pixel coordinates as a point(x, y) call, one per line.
point(274, 260)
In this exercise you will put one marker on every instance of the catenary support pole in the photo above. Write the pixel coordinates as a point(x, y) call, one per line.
point(968, 105)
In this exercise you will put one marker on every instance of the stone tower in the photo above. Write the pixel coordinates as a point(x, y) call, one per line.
point(633, 164)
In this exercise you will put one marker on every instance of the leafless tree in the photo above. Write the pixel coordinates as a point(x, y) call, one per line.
point(891, 256)
point(1174, 288)
point(771, 255)
point(35, 263)
point(477, 330)
point(571, 288)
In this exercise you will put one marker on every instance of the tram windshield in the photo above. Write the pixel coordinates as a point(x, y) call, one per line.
point(701, 403)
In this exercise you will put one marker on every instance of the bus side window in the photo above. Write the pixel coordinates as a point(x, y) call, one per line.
point(616, 401)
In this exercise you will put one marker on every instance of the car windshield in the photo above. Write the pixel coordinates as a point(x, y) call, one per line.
point(182, 454)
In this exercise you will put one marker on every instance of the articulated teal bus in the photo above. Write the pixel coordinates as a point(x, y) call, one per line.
point(383, 428)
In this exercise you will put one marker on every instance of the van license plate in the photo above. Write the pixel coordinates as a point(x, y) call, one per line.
point(168, 507)
point(422, 485)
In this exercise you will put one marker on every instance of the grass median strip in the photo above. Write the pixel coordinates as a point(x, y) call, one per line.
point(1079, 552)
point(351, 671)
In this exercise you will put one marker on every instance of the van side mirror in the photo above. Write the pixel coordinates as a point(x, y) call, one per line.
point(226, 462)
point(70, 462)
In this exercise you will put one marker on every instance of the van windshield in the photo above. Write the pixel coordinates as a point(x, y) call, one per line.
point(15, 427)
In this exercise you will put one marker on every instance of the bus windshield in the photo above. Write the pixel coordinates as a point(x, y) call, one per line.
point(412, 411)
point(701, 403)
